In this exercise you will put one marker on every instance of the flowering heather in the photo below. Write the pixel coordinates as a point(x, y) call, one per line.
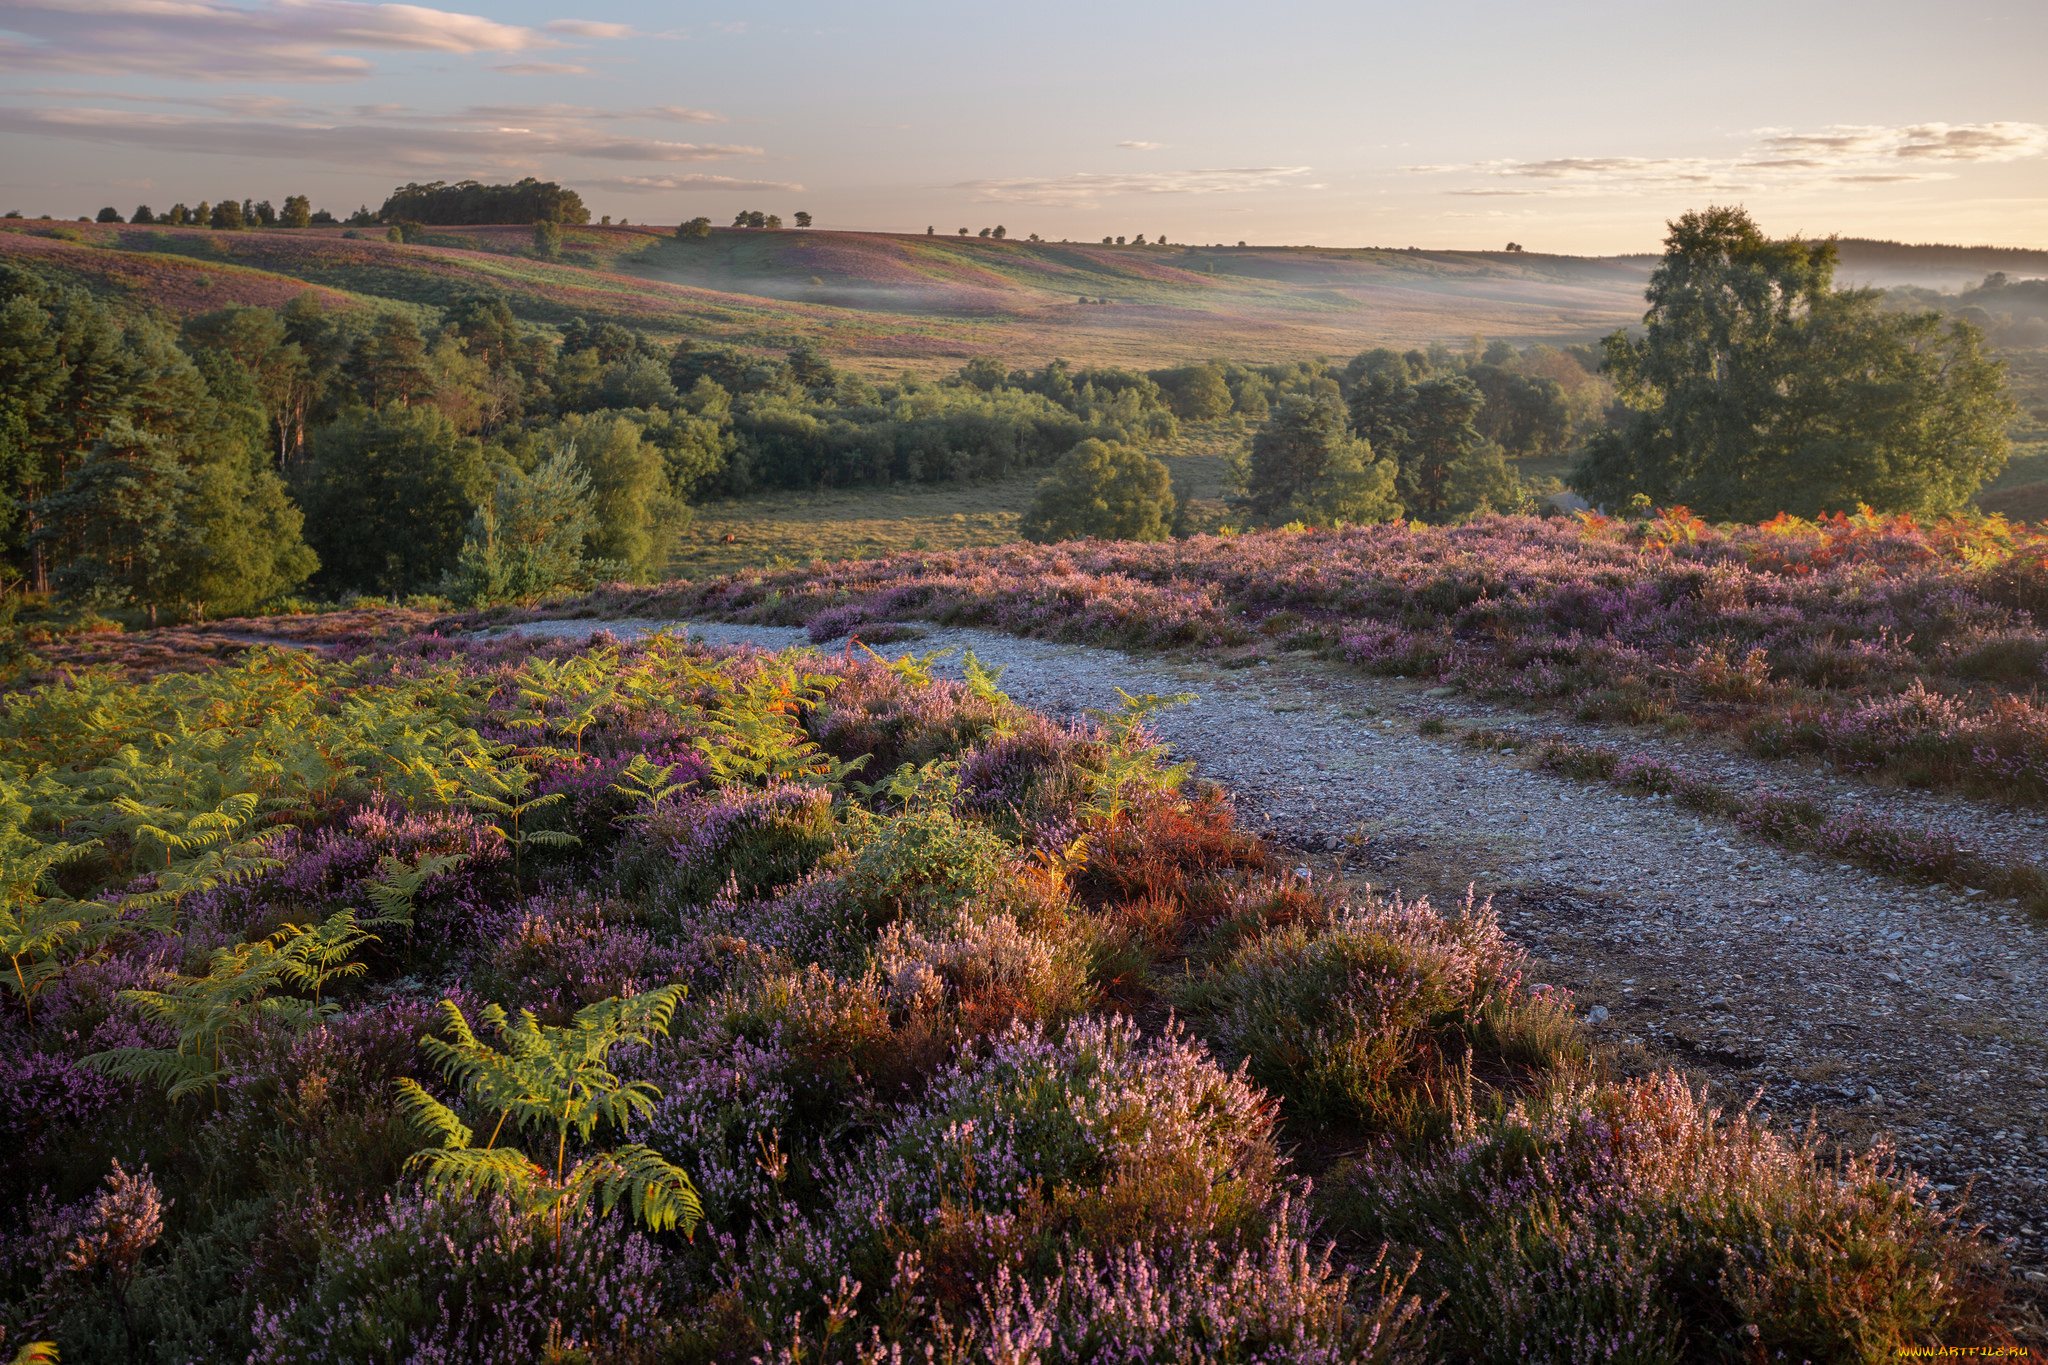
point(1635, 1222)
point(1366, 1014)
point(1798, 628)
point(907, 1083)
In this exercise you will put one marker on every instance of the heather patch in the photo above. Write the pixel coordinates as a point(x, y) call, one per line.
point(1807, 633)
point(631, 1001)
point(1371, 1015)
point(1634, 1222)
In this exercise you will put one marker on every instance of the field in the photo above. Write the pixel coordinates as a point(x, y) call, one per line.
point(869, 522)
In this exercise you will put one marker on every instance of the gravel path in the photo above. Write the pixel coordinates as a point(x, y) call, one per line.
point(1874, 1007)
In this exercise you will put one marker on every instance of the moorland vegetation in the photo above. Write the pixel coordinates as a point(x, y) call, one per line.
point(466, 998)
point(548, 1001)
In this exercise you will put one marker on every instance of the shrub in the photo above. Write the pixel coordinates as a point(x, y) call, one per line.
point(1085, 1136)
point(1368, 1014)
point(1103, 490)
point(1634, 1222)
point(428, 1279)
point(749, 840)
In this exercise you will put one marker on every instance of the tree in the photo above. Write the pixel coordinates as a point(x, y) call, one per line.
point(1381, 392)
point(469, 202)
point(265, 214)
point(298, 212)
point(527, 537)
point(772, 223)
point(387, 495)
point(1448, 469)
point(802, 219)
point(1525, 414)
point(1105, 490)
point(1000, 232)
point(142, 215)
point(547, 239)
point(1759, 388)
point(116, 523)
point(1306, 466)
point(109, 214)
point(695, 227)
point(633, 517)
point(390, 364)
point(227, 216)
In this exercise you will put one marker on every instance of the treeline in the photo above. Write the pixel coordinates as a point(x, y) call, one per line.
point(469, 202)
point(257, 452)
point(1430, 435)
point(229, 215)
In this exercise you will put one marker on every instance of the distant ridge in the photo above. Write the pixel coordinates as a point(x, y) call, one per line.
point(1866, 252)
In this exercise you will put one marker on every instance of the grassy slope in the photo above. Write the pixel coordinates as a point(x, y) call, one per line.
point(880, 301)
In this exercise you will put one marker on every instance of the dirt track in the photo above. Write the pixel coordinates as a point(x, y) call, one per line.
point(1873, 1007)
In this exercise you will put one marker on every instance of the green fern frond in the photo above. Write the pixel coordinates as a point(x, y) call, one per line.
point(432, 1117)
point(657, 1192)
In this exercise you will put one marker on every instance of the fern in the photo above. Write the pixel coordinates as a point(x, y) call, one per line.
point(498, 791)
point(555, 1082)
point(214, 1015)
point(397, 883)
point(647, 786)
point(1134, 759)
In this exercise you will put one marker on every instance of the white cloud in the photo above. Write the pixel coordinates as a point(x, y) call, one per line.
point(368, 142)
point(1141, 146)
point(681, 114)
point(1086, 189)
point(659, 183)
point(299, 40)
point(1841, 154)
point(585, 28)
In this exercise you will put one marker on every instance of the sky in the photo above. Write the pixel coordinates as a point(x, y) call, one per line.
point(1571, 126)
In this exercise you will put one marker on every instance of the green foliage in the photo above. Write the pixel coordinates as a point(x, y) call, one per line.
point(527, 539)
point(387, 494)
point(1759, 388)
point(1102, 490)
point(468, 201)
point(215, 1016)
point(554, 1081)
point(1305, 466)
point(694, 228)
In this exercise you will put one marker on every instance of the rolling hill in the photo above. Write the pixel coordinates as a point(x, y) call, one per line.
point(883, 302)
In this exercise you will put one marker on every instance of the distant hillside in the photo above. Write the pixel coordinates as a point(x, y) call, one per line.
point(1932, 266)
point(881, 301)
point(884, 301)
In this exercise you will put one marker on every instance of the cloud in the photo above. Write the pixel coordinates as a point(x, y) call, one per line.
point(1086, 189)
point(659, 183)
point(1141, 146)
point(542, 69)
point(1841, 154)
point(585, 28)
point(298, 40)
point(682, 114)
point(368, 142)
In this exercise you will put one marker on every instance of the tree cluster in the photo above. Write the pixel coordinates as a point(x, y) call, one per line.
point(228, 214)
point(1757, 387)
point(470, 202)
